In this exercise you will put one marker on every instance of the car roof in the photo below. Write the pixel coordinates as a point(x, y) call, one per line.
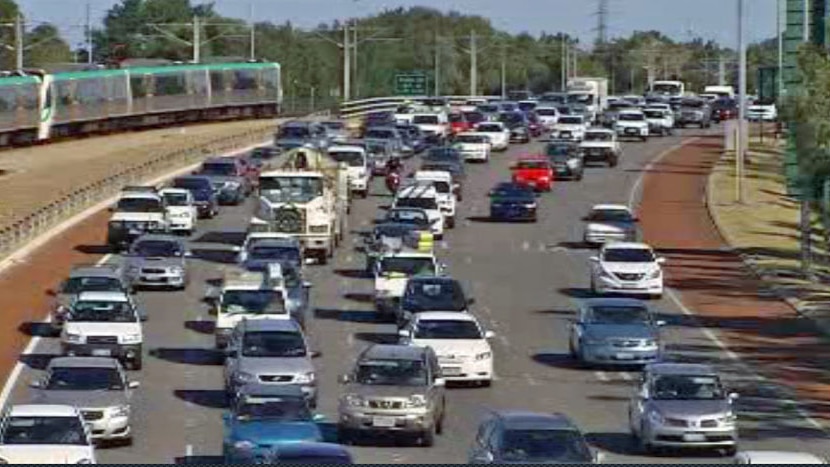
point(276, 242)
point(83, 362)
point(680, 369)
point(391, 351)
point(347, 148)
point(526, 420)
point(193, 177)
point(613, 301)
point(172, 189)
point(98, 270)
point(265, 325)
point(610, 207)
point(445, 316)
point(631, 111)
point(43, 410)
point(781, 457)
point(271, 390)
point(432, 175)
point(417, 191)
point(626, 246)
point(434, 279)
point(103, 296)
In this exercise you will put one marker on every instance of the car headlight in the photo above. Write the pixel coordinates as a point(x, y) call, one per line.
point(354, 400)
point(121, 411)
point(650, 343)
point(728, 419)
point(529, 206)
point(131, 339)
point(243, 377)
point(182, 215)
point(74, 338)
point(484, 356)
point(306, 378)
point(656, 417)
point(244, 444)
point(177, 270)
point(417, 401)
point(655, 274)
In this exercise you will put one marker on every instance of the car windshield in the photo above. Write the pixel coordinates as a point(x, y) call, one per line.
point(611, 215)
point(513, 191)
point(474, 117)
point(456, 118)
point(560, 150)
point(579, 98)
point(44, 430)
point(631, 117)
point(653, 113)
point(84, 379)
point(527, 106)
point(274, 252)
point(570, 120)
point(599, 136)
point(334, 125)
point(687, 387)
point(255, 302)
point(440, 186)
point(434, 296)
point(628, 255)
point(488, 108)
point(546, 112)
point(139, 205)
point(413, 202)
point(222, 169)
point(453, 169)
point(408, 216)
point(425, 120)
point(392, 373)
point(192, 183)
point(444, 153)
point(157, 249)
point(76, 285)
point(529, 445)
point(447, 329)
point(294, 132)
point(619, 105)
point(286, 409)
point(176, 199)
point(489, 128)
point(102, 312)
point(352, 158)
point(622, 315)
point(473, 139)
point(407, 266)
point(693, 104)
point(379, 134)
point(522, 165)
point(286, 189)
point(273, 344)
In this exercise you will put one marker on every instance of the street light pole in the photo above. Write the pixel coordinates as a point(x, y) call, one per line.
point(347, 63)
point(197, 40)
point(740, 152)
point(473, 64)
point(18, 41)
point(503, 71)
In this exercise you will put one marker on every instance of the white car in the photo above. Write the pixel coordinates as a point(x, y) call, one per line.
point(45, 434)
point(393, 270)
point(442, 182)
point(459, 341)
point(498, 133)
point(569, 128)
point(632, 124)
point(474, 147)
point(609, 223)
point(762, 113)
point(423, 197)
point(182, 212)
point(777, 457)
point(660, 121)
point(432, 125)
point(548, 116)
point(627, 268)
point(357, 166)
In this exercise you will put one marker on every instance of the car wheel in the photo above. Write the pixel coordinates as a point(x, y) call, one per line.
point(642, 440)
point(450, 222)
point(135, 364)
point(579, 176)
point(486, 383)
point(439, 425)
point(323, 258)
point(346, 436)
point(729, 451)
point(428, 437)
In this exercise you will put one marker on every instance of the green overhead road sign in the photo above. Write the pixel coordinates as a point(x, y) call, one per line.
point(411, 84)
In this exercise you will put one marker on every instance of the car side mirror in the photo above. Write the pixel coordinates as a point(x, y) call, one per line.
point(318, 417)
point(232, 353)
point(440, 382)
point(489, 334)
point(36, 384)
point(471, 301)
point(188, 254)
point(594, 259)
point(733, 396)
point(661, 260)
point(661, 323)
point(236, 249)
point(403, 333)
point(133, 385)
point(307, 284)
point(315, 354)
point(344, 379)
point(52, 293)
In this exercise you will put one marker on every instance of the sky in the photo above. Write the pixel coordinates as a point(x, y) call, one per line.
point(680, 19)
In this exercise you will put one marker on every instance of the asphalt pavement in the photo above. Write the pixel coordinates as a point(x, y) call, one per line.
point(525, 279)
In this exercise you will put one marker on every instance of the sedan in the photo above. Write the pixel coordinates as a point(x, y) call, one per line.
point(609, 222)
point(615, 331)
point(513, 202)
point(627, 268)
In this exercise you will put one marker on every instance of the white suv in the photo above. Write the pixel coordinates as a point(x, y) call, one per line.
point(458, 339)
point(627, 268)
point(357, 166)
point(442, 182)
point(45, 434)
point(423, 197)
point(181, 210)
point(632, 124)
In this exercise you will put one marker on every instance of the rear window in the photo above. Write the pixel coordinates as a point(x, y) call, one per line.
point(532, 165)
point(425, 120)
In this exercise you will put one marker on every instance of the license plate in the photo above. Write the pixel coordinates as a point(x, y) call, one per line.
point(385, 422)
point(154, 279)
point(694, 437)
point(630, 286)
point(561, 171)
point(630, 130)
point(625, 356)
point(451, 370)
point(135, 232)
point(101, 352)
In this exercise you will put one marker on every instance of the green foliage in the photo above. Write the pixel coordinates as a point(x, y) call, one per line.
point(44, 43)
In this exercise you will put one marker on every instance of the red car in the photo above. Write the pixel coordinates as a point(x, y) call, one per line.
point(459, 123)
point(535, 172)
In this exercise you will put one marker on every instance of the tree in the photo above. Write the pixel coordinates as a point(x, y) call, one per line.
point(8, 13)
point(47, 47)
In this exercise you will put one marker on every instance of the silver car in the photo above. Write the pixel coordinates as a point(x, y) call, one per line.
point(683, 405)
point(98, 386)
point(270, 351)
point(158, 261)
point(616, 331)
point(610, 223)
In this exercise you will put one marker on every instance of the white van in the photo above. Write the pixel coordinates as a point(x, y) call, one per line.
point(442, 182)
point(423, 197)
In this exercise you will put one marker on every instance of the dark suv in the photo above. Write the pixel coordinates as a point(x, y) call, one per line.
point(231, 178)
point(297, 134)
point(207, 203)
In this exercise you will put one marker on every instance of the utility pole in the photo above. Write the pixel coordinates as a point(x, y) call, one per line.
point(806, 20)
point(721, 71)
point(252, 39)
point(437, 64)
point(473, 64)
point(504, 71)
point(88, 33)
point(576, 62)
point(602, 22)
point(355, 42)
point(740, 152)
point(197, 40)
point(564, 64)
point(18, 41)
point(347, 64)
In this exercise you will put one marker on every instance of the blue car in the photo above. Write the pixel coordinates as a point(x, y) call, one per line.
point(204, 194)
point(513, 202)
point(301, 453)
point(263, 416)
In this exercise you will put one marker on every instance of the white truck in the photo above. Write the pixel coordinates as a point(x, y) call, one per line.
point(356, 158)
point(668, 88)
point(307, 196)
point(720, 91)
point(591, 92)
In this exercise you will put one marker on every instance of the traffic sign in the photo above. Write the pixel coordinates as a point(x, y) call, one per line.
point(411, 84)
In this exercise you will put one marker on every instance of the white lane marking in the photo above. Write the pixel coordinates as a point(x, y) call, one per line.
point(525, 245)
point(602, 376)
point(11, 381)
point(530, 379)
point(635, 190)
point(350, 340)
point(188, 451)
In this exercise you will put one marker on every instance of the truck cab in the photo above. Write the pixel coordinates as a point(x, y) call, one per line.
point(139, 210)
point(181, 210)
point(668, 88)
point(357, 162)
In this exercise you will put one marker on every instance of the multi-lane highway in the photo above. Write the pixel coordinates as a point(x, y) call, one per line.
point(525, 278)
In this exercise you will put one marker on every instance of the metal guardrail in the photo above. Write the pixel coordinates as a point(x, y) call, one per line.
point(360, 108)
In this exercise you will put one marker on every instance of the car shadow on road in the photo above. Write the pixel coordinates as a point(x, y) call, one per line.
point(353, 273)
point(37, 361)
point(210, 398)
point(37, 329)
point(201, 327)
point(569, 313)
point(557, 360)
point(95, 249)
point(576, 293)
point(203, 357)
point(616, 443)
point(359, 297)
point(576, 246)
point(351, 316)
point(377, 337)
point(214, 255)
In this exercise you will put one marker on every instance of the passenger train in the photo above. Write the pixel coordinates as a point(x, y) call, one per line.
point(37, 106)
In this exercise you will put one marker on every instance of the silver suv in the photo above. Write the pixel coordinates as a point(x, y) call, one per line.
point(98, 386)
point(270, 351)
point(394, 388)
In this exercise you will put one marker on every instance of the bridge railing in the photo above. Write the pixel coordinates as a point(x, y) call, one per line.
point(356, 109)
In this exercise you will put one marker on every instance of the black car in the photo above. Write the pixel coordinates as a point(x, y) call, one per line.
point(442, 154)
point(204, 194)
point(567, 160)
point(512, 202)
point(229, 179)
point(412, 137)
point(431, 293)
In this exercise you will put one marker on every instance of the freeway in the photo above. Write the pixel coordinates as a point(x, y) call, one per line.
point(525, 278)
